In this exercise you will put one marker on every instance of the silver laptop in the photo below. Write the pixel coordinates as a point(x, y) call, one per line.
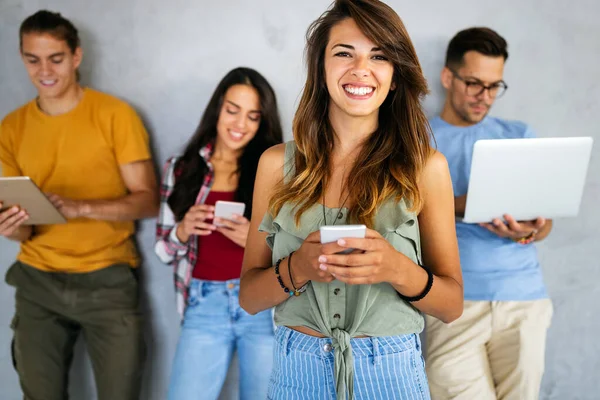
point(527, 178)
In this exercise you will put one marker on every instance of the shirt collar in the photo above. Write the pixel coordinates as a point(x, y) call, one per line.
point(206, 152)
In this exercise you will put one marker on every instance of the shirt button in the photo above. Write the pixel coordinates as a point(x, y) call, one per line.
point(327, 347)
point(337, 316)
point(340, 215)
point(336, 291)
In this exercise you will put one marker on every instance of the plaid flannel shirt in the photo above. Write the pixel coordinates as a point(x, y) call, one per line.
point(169, 249)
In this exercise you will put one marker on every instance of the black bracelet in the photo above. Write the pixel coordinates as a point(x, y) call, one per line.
point(424, 292)
point(285, 289)
point(296, 291)
point(290, 273)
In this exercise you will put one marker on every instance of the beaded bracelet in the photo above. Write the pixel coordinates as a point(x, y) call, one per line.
point(294, 292)
point(424, 292)
point(285, 289)
point(527, 239)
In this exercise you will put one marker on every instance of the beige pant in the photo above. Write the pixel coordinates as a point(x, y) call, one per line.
point(495, 350)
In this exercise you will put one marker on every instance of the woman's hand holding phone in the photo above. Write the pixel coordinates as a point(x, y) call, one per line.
point(193, 222)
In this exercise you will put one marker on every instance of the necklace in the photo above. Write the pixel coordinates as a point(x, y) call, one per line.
point(339, 215)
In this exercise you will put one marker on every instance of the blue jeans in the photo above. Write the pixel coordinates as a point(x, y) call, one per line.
point(385, 368)
point(214, 326)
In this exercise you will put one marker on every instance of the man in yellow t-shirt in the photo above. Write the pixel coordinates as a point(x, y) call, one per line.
point(89, 152)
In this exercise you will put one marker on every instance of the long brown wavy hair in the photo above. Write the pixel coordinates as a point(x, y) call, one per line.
point(392, 158)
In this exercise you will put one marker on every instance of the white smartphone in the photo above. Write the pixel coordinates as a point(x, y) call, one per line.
point(226, 209)
point(331, 233)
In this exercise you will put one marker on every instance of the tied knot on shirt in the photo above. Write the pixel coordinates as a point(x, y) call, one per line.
point(344, 364)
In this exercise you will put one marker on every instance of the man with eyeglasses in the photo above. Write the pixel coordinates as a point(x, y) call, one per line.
point(495, 350)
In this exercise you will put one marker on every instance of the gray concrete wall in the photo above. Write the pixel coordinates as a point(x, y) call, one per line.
point(166, 57)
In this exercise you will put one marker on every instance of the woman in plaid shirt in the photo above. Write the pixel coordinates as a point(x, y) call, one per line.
point(241, 121)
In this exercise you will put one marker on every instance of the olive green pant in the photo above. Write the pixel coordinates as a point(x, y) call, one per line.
point(52, 309)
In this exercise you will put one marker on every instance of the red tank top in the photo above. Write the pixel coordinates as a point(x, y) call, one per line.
point(219, 259)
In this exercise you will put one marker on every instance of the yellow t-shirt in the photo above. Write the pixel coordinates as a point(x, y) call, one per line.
point(76, 155)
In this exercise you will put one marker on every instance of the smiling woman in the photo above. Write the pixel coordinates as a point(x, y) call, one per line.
point(361, 154)
point(358, 75)
point(218, 164)
point(239, 118)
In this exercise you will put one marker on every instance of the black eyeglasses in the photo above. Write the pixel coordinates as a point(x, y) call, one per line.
point(474, 87)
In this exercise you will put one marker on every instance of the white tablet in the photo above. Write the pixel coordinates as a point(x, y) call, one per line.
point(23, 192)
point(226, 209)
point(527, 178)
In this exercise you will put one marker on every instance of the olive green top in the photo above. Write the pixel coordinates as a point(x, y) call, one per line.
point(337, 310)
